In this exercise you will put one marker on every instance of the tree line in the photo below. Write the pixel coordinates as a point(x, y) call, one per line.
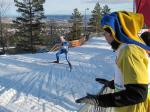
point(93, 24)
point(29, 25)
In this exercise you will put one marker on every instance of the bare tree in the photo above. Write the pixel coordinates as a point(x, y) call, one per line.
point(4, 6)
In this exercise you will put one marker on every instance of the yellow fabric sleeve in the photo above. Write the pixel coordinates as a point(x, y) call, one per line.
point(133, 64)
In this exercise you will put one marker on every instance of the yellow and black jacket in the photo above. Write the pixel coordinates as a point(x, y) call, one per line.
point(132, 62)
point(131, 82)
point(131, 69)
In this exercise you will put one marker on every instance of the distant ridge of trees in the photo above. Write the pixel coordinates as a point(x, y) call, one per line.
point(33, 29)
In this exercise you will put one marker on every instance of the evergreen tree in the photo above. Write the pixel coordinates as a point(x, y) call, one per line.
point(105, 10)
point(77, 25)
point(29, 23)
point(94, 21)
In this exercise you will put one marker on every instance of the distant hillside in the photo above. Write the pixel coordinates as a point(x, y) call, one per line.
point(58, 17)
point(48, 17)
point(62, 17)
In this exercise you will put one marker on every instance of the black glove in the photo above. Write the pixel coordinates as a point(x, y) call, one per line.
point(107, 83)
point(89, 99)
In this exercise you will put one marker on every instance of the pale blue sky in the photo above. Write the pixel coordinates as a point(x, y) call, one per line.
point(67, 6)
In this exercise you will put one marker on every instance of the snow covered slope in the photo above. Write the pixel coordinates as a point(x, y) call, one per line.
point(30, 83)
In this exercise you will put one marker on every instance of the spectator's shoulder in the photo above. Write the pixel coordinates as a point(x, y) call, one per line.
point(132, 49)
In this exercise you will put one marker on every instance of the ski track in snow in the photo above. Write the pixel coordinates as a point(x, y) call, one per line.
point(30, 83)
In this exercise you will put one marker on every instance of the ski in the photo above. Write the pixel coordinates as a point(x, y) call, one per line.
point(69, 64)
point(56, 63)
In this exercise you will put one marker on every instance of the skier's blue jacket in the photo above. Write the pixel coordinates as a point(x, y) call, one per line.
point(65, 46)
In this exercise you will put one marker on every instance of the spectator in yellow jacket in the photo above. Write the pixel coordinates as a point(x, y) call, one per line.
point(131, 69)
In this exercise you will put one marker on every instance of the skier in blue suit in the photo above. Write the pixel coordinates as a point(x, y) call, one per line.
point(63, 49)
